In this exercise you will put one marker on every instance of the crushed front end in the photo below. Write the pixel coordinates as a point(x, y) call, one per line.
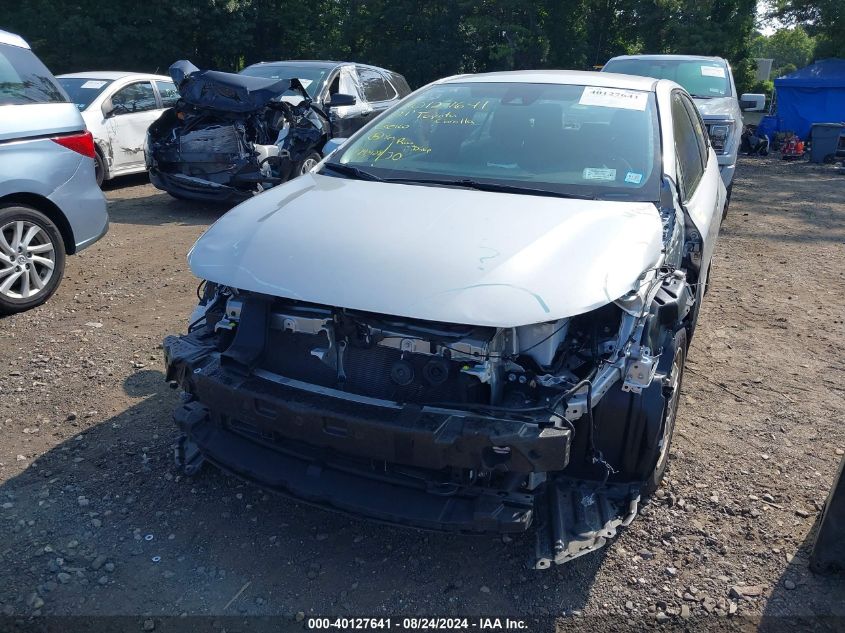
point(231, 136)
point(433, 425)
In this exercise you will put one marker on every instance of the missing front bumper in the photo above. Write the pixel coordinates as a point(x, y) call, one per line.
point(413, 466)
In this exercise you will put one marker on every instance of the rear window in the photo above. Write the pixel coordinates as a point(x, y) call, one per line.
point(83, 91)
point(24, 79)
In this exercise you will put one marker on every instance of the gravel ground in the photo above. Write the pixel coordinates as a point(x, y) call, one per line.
point(95, 520)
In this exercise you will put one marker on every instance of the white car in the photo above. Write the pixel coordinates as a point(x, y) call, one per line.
point(473, 316)
point(118, 107)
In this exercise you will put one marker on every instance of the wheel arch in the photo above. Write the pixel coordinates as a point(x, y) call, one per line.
point(48, 208)
point(105, 154)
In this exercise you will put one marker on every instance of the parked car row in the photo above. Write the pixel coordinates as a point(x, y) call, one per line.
point(470, 315)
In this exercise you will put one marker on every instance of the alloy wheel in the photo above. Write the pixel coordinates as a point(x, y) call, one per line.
point(27, 259)
point(308, 164)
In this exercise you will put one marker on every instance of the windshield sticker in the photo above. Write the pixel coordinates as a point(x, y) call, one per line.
point(599, 173)
point(712, 71)
point(93, 85)
point(633, 177)
point(614, 98)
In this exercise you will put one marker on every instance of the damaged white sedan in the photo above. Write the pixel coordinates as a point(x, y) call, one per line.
point(472, 316)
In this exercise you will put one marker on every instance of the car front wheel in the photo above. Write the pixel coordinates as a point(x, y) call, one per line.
point(309, 163)
point(99, 169)
point(32, 258)
point(672, 392)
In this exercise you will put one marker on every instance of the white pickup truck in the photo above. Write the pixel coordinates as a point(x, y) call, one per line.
point(710, 82)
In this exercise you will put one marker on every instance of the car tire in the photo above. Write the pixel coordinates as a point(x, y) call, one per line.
point(32, 258)
point(308, 163)
point(692, 320)
point(673, 370)
point(99, 168)
point(727, 201)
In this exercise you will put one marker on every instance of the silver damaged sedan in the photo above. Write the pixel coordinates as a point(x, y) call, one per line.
point(472, 316)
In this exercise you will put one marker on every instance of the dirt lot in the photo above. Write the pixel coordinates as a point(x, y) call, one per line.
point(95, 520)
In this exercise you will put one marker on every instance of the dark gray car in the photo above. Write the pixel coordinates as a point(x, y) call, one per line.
point(375, 89)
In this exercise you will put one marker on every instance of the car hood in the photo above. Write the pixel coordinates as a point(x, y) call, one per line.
point(433, 253)
point(228, 92)
point(717, 107)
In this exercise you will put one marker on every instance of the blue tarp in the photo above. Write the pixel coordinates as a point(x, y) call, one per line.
point(815, 94)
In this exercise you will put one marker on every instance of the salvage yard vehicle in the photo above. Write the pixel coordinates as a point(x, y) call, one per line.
point(118, 107)
point(50, 205)
point(710, 82)
point(473, 316)
point(375, 89)
point(233, 135)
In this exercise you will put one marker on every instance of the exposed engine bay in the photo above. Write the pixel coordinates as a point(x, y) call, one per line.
point(231, 136)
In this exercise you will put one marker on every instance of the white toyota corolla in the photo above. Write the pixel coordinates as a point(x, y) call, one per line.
point(472, 316)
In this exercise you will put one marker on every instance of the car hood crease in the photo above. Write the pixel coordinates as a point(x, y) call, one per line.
point(432, 253)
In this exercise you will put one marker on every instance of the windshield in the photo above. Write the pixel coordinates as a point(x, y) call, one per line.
point(24, 79)
point(83, 91)
point(565, 139)
point(701, 78)
point(311, 77)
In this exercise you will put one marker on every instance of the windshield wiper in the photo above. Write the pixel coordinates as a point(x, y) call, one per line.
point(467, 183)
point(354, 172)
point(695, 96)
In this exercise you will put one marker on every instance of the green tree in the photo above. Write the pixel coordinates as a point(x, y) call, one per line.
point(824, 19)
point(422, 40)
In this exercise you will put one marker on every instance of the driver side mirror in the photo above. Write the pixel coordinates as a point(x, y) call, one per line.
point(107, 108)
point(339, 100)
point(752, 102)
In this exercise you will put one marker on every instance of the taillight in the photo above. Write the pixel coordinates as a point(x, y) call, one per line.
point(81, 142)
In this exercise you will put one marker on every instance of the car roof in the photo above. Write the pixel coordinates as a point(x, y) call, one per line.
point(12, 39)
point(704, 58)
point(110, 75)
point(566, 77)
point(301, 62)
point(327, 63)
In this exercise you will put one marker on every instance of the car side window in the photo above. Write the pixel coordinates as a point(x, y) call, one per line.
point(137, 97)
point(700, 131)
point(168, 93)
point(686, 148)
point(374, 86)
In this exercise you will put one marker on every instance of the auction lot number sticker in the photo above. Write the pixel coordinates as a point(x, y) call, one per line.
point(417, 624)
